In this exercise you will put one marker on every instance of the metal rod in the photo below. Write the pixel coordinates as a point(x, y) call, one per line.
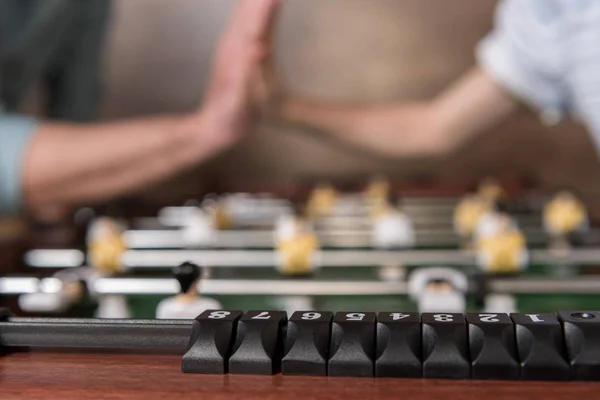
point(136, 259)
point(583, 285)
point(124, 334)
point(286, 287)
point(349, 238)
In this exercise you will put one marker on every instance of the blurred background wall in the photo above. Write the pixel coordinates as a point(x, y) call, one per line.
point(355, 51)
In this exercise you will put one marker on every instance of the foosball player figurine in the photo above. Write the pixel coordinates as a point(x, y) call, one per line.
point(438, 289)
point(379, 188)
point(392, 229)
point(467, 215)
point(199, 228)
point(501, 251)
point(55, 300)
point(297, 247)
point(188, 304)
point(490, 189)
point(106, 246)
point(565, 219)
point(322, 201)
point(218, 211)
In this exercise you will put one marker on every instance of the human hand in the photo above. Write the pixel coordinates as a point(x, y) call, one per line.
point(236, 87)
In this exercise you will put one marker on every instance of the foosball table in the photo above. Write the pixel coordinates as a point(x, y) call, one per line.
point(471, 285)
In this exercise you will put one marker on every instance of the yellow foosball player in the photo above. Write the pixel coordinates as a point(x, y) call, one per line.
point(297, 248)
point(322, 201)
point(219, 213)
point(503, 250)
point(491, 190)
point(106, 245)
point(564, 217)
point(378, 189)
point(468, 214)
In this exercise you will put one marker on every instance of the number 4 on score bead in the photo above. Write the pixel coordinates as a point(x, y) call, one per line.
point(398, 316)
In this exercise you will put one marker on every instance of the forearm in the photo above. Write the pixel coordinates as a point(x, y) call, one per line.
point(385, 130)
point(69, 164)
point(470, 106)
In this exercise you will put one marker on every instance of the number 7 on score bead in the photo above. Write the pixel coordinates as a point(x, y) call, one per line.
point(262, 315)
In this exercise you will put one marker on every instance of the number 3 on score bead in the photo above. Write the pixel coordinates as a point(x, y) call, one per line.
point(311, 315)
point(355, 317)
point(262, 315)
point(218, 314)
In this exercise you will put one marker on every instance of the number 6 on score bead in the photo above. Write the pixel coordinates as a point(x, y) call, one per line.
point(311, 315)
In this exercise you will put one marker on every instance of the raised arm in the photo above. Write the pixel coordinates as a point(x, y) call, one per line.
point(70, 164)
point(470, 106)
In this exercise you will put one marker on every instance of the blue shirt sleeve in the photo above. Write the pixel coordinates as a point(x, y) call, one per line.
point(15, 134)
point(524, 54)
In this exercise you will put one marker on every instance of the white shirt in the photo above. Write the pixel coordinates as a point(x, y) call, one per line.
point(547, 53)
point(171, 308)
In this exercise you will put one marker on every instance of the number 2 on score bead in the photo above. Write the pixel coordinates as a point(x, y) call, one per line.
point(488, 318)
point(355, 317)
point(219, 314)
point(398, 316)
point(262, 315)
point(311, 315)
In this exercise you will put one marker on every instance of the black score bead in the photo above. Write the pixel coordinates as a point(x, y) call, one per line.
point(398, 345)
point(492, 346)
point(445, 349)
point(4, 315)
point(540, 347)
point(258, 345)
point(210, 342)
point(352, 344)
point(582, 339)
point(306, 345)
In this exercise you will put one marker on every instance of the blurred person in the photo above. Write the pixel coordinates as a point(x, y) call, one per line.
point(55, 165)
point(543, 53)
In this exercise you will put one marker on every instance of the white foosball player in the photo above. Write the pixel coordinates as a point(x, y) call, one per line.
point(56, 295)
point(500, 303)
point(286, 227)
point(188, 304)
point(438, 289)
point(291, 304)
point(198, 230)
point(392, 230)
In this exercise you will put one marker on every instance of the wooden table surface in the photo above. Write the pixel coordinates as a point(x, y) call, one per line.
point(47, 375)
